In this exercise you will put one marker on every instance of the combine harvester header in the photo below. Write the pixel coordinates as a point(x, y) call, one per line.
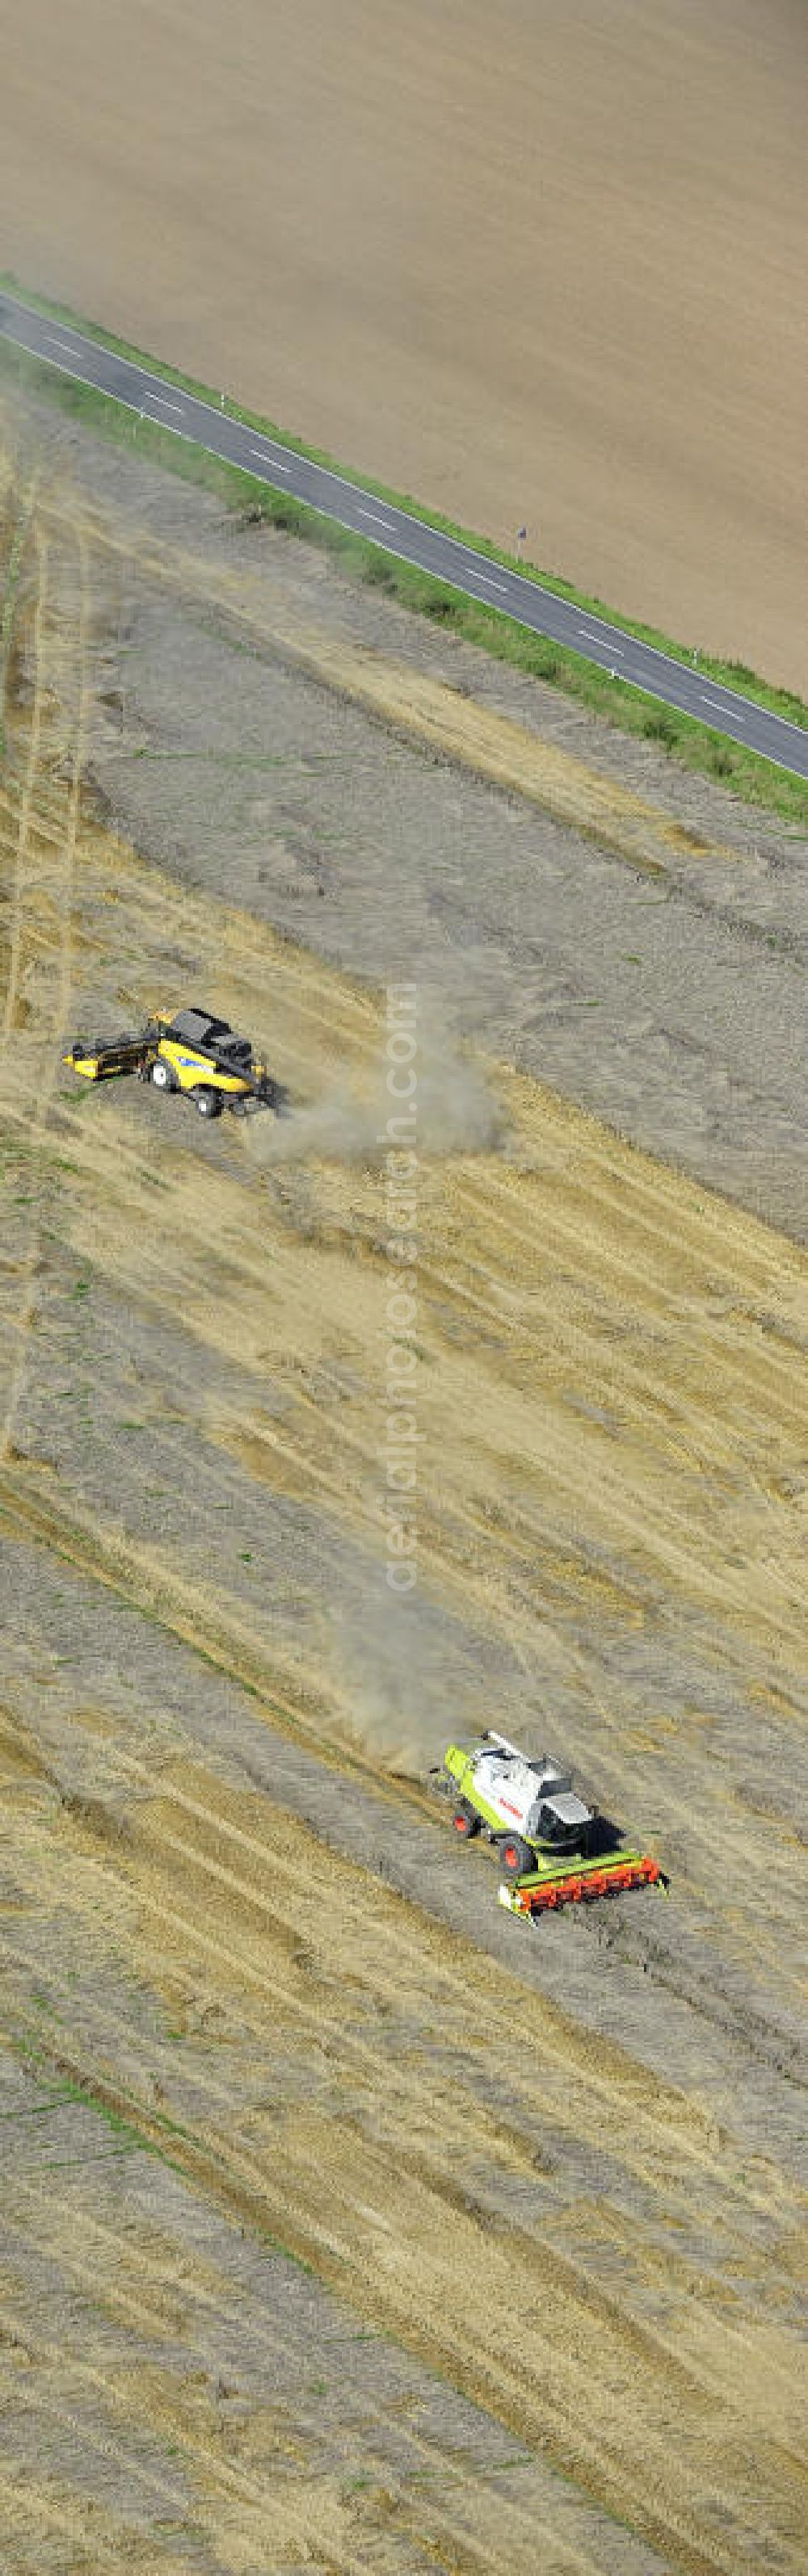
point(553, 1850)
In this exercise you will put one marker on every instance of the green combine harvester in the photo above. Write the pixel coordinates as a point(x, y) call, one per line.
point(553, 1850)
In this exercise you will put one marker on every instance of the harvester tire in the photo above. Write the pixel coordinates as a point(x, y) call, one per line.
point(466, 1824)
point(516, 1857)
point(162, 1076)
point(208, 1102)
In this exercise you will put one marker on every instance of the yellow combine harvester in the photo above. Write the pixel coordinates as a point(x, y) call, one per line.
point(191, 1052)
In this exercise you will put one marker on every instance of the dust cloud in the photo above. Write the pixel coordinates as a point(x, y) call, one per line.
point(399, 1687)
point(455, 1113)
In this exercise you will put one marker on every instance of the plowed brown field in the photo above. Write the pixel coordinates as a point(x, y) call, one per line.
point(552, 2183)
point(537, 264)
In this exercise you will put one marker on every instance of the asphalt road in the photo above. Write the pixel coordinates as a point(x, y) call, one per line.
point(677, 684)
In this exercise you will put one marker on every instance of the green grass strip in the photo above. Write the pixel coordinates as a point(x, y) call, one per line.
point(698, 747)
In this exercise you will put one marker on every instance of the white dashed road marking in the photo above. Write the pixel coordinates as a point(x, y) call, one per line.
point(141, 392)
point(600, 645)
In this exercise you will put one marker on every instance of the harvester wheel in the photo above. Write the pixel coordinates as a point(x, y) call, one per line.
point(516, 1857)
point(208, 1102)
point(162, 1076)
point(466, 1824)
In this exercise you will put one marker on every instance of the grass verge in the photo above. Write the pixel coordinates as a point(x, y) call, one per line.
point(700, 748)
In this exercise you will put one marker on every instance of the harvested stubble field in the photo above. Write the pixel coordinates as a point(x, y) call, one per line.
point(346, 2222)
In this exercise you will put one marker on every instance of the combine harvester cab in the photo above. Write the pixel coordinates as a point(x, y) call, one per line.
point(192, 1052)
point(548, 1840)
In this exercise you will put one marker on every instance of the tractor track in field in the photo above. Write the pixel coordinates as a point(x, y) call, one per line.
point(25, 801)
point(253, 1983)
point(761, 2045)
point(136, 1573)
point(138, 1577)
point(319, 2199)
point(112, 2249)
point(225, 1831)
point(317, 2220)
point(239, 1661)
point(112, 2252)
point(25, 880)
point(183, 1612)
